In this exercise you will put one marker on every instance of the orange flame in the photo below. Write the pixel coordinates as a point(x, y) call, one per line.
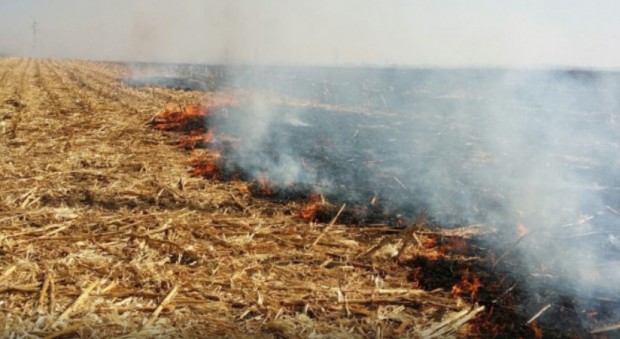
point(207, 169)
point(242, 187)
point(468, 284)
point(175, 118)
point(180, 119)
point(195, 138)
point(265, 185)
point(191, 119)
point(538, 333)
point(205, 165)
point(308, 211)
point(429, 243)
point(453, 244)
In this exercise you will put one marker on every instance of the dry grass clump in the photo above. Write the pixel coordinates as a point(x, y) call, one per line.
point(103, 232)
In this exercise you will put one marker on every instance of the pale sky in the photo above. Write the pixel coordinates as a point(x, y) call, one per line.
point(445, 33)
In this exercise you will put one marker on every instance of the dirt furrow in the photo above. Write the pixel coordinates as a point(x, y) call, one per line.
point(35, 118)
point(47, 80)
point(107, 70)
point(12, 104)
point(7, 66)
point(117, 89)
point(48, 100)
point(101, 226)
point(74, 95)
point(22, 78)
point(99, 91)
point(123, 72)
point(11, 83)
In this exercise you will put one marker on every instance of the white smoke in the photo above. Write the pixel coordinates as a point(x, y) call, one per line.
point(494, 147)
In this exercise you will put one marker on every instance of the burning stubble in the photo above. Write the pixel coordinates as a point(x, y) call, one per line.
point(495, 147)
point(531, 153)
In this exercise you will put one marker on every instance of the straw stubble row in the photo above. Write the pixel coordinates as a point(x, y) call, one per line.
point(104, 233)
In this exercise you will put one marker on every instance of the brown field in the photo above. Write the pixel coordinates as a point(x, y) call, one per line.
point(104, 233)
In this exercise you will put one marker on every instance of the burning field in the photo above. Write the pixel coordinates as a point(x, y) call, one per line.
point(289, 205)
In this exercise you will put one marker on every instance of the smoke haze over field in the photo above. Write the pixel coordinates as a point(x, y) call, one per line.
point(544, 141)
point(418, 33)
point(501, 148)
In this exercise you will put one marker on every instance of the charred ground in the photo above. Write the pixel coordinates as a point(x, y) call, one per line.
point(102, 212)
point(369, 137)
point(104, 232)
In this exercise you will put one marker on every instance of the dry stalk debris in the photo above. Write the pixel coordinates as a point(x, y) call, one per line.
point(91, 197)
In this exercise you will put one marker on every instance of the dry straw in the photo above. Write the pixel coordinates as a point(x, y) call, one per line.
point(103, 233)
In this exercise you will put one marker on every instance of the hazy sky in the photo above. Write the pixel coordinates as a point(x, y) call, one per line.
point(419, 33)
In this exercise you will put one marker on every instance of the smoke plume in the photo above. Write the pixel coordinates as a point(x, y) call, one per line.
point(500, 148)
